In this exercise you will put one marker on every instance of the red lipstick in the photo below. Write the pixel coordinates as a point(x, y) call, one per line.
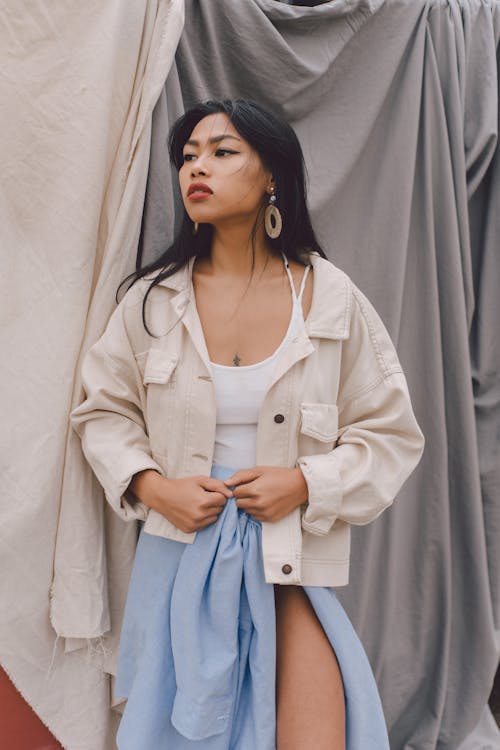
point(198, 190)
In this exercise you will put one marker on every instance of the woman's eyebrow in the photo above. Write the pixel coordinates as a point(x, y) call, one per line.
point(214, 139)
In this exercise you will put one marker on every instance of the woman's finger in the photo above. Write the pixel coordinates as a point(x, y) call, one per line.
point(215, 485)
point(243, 476)
point(246, 504)
point(248, 491)
point(216, 506)
point(214, 497)
point(207, 521)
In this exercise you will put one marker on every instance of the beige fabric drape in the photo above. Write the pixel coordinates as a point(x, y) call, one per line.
point(79, 82)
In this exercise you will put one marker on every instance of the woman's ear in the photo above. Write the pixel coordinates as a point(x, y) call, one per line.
point(271, 185)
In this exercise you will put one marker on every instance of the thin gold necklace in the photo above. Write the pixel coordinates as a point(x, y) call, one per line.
point(237, 359)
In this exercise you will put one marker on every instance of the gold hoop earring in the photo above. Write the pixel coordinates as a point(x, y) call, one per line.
point(272, 218)
point(195, 227)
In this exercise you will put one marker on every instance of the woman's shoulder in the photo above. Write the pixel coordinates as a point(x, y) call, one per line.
point(332, 278)
point(327, 275)
point(146, 288)
point(145, 306)
point(339, 294)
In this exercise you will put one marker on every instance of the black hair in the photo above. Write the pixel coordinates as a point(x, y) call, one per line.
point(276, 143)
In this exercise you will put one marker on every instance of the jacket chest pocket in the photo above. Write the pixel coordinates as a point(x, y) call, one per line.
point(160, 381)
point(319, 428)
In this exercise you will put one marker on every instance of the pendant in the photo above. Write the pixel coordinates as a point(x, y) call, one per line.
point(236, 360)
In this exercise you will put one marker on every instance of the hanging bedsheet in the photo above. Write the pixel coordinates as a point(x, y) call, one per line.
point(79, 83)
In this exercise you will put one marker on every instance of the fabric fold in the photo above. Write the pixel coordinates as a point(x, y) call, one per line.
point(80, 84)
point(210, 594)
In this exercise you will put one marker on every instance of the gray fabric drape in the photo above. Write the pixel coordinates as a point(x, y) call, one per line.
point(396, 107)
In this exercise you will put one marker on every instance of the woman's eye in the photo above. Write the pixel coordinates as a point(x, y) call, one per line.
point(218, 152)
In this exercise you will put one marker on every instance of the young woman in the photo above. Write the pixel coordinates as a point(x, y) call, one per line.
point(246, 404)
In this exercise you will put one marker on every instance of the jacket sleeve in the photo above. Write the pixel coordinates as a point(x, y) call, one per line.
point(379, 442)
point(110, 421)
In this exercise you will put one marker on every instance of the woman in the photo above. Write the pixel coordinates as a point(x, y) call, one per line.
point(247, 405)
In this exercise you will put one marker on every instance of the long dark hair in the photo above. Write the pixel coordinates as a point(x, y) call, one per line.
point(277, 145)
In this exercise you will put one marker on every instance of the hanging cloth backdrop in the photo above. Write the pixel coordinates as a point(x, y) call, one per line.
point(396, 107)
point(80, 81)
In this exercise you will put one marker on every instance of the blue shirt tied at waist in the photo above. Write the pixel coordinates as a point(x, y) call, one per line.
point(221, 610)
point(198, 645)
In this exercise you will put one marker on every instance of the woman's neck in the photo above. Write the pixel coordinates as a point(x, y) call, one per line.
point(231, 253)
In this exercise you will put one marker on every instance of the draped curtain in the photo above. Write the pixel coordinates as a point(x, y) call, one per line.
point(78, 85)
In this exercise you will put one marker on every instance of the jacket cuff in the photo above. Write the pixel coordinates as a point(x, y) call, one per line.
point(133, 507)
point(325, 493)
point(124, 502)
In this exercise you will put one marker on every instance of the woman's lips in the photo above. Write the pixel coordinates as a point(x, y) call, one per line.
point(199, 195)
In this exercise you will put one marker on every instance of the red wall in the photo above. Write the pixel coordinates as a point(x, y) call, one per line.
point(20, 727)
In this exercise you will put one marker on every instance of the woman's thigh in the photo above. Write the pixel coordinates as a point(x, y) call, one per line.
point(309, 692)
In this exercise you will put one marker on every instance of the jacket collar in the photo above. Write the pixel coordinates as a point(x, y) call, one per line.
point(330, 311)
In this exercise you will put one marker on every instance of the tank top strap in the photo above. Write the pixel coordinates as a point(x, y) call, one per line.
point(303, 283)
point(297, 299)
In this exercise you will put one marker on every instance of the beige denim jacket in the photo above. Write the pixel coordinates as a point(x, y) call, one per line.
point(337, 406)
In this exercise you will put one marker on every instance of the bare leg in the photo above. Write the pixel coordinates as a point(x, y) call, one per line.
point(309, 691)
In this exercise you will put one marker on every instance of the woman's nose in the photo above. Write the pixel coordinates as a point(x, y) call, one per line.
point(198, 167)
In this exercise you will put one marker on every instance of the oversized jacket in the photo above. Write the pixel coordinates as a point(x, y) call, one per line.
point(337, 407)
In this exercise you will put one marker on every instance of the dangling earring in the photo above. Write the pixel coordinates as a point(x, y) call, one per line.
point(272, 218)
point(195, 227)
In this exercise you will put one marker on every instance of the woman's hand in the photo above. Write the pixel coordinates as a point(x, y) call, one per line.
point(268, 493)
point(190, 503)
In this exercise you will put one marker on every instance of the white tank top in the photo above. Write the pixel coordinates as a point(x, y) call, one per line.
point(239, 392)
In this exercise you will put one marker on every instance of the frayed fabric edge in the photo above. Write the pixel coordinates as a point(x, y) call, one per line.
point(94, 647)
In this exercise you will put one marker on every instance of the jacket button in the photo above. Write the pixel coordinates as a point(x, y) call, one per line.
point(279, 418)
point(286, 569)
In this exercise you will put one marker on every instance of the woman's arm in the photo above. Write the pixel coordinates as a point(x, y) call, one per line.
point(114, 435)
point(110, 420)
point(379, 442)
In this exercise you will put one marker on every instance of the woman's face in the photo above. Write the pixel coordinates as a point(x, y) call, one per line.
point(233, 181)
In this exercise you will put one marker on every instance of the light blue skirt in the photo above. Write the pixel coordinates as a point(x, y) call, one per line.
point(197, 655)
